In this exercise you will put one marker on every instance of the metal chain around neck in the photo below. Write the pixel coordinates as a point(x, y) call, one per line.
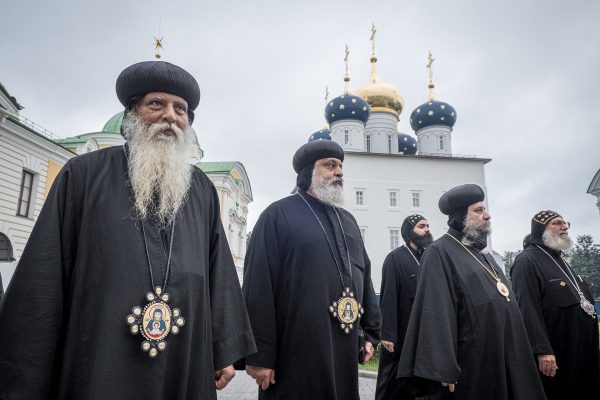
point(329, 242)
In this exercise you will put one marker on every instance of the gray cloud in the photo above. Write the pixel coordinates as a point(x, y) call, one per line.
point(521, 75)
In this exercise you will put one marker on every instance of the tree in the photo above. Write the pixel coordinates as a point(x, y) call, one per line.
point(509, 259)
point(585, 261)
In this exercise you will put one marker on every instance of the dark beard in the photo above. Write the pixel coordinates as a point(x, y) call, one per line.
point(422, 242)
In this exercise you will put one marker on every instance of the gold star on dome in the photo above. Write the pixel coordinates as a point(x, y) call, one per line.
point(342, 106)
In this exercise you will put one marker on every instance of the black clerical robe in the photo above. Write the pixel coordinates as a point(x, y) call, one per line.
point(63, 331)
point(463, 330)
point(290, 280)
point(556, 323)
point(398, 287)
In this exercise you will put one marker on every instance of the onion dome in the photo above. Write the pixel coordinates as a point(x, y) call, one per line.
point(407, 144)
point(323, 134)
point(381, 96)
point(433, 113)
point(347, 106)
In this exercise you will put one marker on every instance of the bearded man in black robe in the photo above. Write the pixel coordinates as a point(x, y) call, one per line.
point(465, 330)
point(558, 311)
point(306, 262)
point(128, 233)
point(398, 287)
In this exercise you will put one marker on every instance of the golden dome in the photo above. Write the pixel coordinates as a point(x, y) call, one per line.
point(381, 96)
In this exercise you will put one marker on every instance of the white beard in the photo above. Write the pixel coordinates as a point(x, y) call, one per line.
point(159, 170)
point(327, 190)
point(557, 242)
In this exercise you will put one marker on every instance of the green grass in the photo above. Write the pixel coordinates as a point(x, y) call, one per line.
point(373, 364)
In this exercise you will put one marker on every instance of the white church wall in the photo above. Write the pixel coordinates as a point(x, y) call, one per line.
point(425, 178)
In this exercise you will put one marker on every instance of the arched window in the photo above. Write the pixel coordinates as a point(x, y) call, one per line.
point(6, 251)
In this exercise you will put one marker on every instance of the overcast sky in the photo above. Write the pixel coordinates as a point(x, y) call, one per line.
point(522, 75)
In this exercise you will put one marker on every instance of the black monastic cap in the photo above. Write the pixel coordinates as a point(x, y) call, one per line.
point(539, 222)
point(157, 76)
point(460, 197)
point(310, 152)
point(545, 216)
point(408, 225)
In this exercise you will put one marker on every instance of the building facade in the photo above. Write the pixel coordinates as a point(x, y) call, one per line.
point(235, 194)
point(29, 162)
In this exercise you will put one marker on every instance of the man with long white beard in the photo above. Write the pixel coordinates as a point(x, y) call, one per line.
point(558, 311)
point(308, 289)
point(466, 334)
point(126, 288)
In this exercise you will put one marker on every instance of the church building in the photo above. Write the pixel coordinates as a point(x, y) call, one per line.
point(389, 174)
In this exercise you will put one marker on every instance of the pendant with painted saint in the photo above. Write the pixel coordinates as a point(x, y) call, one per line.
point(503, 289)
point(346, 310)
point(155, 321)
point(587, 306)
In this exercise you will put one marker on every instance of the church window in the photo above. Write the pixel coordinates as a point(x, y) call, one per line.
point(6, 252)
point(360, 198)
point(390, 144)
point(368, 143)
point(394, 238)
point(393, 198)
point(363, 234)
point(25, 194)
point(346, 136)
point(442, 143)
point(416, 199)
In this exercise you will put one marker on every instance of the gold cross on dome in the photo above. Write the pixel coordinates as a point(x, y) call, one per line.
point(429, 66)
point(158, 46)
point(346, 54)
point(373, 31)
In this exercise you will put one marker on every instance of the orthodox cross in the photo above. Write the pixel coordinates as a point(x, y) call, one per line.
point(373, 31)
point(429, 66)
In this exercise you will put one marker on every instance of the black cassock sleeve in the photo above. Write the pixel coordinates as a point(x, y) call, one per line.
point(371, 321)
point(31, 318)
point(232, 336)
point(260, 278)
point(430, 349)
point(526, 286)
point(389, 302)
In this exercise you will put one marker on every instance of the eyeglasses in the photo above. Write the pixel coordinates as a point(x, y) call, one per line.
point(560, 223)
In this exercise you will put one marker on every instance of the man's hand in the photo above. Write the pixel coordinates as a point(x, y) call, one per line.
point(450, 386)
point(224, 376)
point(389, 346)
point(264, 377)
point(547, 364)
point(369, 350)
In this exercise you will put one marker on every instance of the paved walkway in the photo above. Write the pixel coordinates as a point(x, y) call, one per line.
point(244, 388)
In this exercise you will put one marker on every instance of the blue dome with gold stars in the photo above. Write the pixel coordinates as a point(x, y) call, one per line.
point(323, 134)
point(407, 144)
point(433, 113)
point(347, 106)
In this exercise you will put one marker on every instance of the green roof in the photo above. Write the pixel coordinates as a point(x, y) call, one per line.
point(218, 166)
point(114, 124)
point(11, 98)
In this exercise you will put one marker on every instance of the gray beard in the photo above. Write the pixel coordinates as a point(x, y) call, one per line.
point(325, 190)
point(557, 242)
point(159, 170)
point(476, 232)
